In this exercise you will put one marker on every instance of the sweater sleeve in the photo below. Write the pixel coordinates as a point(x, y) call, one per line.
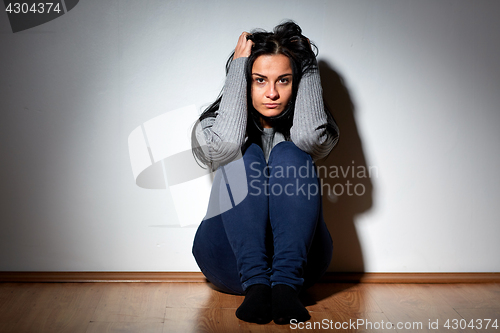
point(313, 130)
point(222, 136)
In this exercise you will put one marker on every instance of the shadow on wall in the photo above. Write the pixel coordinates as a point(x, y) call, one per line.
point(346, 182)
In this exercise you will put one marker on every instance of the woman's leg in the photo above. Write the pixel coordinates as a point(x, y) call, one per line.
point(232, 248)
point(320, 253)
point(215, 257)
point(247, 232)
point(294, 208)
point(247, 224)
point(249, 235)
point(296, 221)
point(247, 229)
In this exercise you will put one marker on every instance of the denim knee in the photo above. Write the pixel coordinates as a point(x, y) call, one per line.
point(287, 160)
point(287, 153)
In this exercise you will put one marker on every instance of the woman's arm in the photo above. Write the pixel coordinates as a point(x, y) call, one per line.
point(312, 130)
point(224, 134)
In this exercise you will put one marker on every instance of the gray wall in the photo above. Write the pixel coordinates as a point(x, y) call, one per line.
point(414, 86)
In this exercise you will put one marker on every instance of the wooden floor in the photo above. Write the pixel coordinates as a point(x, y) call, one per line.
point(195, 307)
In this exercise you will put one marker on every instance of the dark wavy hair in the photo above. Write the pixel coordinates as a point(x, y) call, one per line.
point(285, 39)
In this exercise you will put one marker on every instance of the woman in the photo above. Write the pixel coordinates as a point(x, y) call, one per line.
point(264, 234)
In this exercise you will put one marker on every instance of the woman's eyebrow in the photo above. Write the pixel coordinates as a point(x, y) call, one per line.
point(279, 77)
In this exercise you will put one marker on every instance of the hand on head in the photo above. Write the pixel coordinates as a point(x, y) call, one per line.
point(244, 46)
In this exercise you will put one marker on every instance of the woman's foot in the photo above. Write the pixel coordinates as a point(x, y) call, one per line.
point(287, 306)
point(256, 307)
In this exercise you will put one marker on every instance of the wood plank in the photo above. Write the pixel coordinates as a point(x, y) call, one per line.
point(40, 320)
point(218, 320)
point(472, 296)
point(132, 302)
point(102, 277)
point(411, 306)
point(47, 307)
point(19, 299)
point(198, 277)
point(125, 327)
point(350, 298)
point(206, 320)
point(195, 307)
point(452, 277)
point(181, 320)
point(199, 295)
point(16, 300)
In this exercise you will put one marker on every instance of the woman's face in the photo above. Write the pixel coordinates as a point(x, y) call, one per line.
point(271, 84)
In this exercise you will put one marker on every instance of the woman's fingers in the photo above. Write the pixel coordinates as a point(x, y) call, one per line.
point(244, 46)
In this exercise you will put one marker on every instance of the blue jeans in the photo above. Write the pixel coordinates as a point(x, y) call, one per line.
point(276, 234)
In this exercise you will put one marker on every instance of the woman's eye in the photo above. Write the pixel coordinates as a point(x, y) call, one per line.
point(284, 80)
point(259, 80)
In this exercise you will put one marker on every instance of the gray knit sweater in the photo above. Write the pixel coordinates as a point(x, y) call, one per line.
point(222, 137)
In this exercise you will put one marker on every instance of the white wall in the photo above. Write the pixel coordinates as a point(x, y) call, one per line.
point(422, 76)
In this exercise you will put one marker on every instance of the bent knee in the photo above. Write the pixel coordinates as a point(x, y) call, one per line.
point(286, 152)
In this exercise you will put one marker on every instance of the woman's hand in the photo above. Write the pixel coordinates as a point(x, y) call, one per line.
point(244, 46)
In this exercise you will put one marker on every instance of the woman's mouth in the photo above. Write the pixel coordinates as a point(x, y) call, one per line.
point(271, 105)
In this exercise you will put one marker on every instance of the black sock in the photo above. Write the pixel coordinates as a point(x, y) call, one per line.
point(256, 307)
point(287, 306)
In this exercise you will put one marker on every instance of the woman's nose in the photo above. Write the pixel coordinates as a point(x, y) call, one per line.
point(272, 93)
